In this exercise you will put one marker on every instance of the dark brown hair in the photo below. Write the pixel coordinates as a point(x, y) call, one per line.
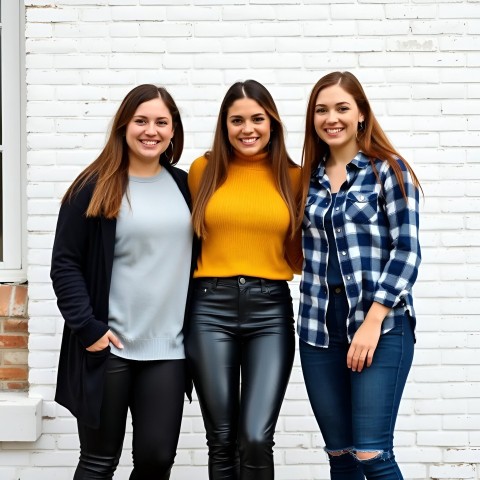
point(110, 169)
point(221, 154)
point(372, 140)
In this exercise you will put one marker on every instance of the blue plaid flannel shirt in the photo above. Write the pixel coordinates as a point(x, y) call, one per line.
point(376, 232)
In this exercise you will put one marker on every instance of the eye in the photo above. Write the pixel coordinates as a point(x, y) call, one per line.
point(258, 119)
point(236, 121)
point(162, 123)
point(343, 109)
point(320, 110)
point(139, 121)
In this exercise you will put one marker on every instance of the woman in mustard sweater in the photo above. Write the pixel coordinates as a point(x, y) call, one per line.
point(245, 210)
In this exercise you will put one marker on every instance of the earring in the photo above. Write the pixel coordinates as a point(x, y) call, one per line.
point(361, 125)
point(165, 152)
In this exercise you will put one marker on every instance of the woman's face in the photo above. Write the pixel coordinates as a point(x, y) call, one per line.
point(248, 126)
point(336, 118)
point(149, 132)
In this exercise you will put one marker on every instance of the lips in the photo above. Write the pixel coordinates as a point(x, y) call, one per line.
point(149, 143)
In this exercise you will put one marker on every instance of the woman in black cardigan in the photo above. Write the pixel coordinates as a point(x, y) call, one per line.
point(125, 212)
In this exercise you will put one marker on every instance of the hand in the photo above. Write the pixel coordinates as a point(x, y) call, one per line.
point(103, 342)
point(362, 348)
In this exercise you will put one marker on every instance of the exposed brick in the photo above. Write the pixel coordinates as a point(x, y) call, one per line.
point(5, 298)
point(13, 341)
point(19, 307)
point(13, 373)
point(15, 325)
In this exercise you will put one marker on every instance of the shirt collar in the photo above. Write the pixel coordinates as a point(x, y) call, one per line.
point(360, 161)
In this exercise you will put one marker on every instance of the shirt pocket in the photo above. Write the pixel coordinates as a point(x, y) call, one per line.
point(362, 207)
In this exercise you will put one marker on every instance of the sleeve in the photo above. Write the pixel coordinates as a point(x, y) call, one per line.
point(401, 269)
point(293, 252)
point(69, 255)
point(293, 246)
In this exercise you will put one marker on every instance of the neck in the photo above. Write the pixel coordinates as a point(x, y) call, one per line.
point(253, 160)
point(138, 169)
point(343, 155)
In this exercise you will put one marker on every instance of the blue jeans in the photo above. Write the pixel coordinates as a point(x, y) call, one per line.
point(356, 412)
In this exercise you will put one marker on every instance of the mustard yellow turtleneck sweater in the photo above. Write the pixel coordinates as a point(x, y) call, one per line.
point(247, 222)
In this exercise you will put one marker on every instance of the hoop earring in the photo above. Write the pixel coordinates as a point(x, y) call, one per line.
point(165, 152)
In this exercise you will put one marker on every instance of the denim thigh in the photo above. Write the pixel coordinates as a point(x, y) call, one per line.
point(356, 410)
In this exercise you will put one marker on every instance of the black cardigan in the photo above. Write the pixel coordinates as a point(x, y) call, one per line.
point(81, 271)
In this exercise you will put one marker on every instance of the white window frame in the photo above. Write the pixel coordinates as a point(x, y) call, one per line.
point(12, 268)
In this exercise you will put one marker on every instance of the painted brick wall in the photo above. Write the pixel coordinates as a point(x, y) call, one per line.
point(419, 61)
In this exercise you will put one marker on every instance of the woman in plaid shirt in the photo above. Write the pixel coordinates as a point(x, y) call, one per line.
point(361, 249)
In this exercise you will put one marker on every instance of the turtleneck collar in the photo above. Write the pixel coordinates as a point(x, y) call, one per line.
point(254, 161)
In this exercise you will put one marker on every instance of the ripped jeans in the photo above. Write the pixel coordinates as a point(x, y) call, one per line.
point(356, 412)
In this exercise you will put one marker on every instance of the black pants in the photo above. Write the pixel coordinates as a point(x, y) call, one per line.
point(241, 328)
point(154, 391)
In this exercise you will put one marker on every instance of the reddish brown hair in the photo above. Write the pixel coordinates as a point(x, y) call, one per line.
point(110, 169)
point(372, 140)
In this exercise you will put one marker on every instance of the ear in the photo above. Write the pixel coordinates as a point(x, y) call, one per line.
point(361, 118)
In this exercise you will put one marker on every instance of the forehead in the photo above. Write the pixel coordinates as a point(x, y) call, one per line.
point(153, 108)
point(245, 107)
point(333, 95)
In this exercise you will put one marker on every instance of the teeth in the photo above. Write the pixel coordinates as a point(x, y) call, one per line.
point(334, 130)
point(152, 142)
point(249, 140)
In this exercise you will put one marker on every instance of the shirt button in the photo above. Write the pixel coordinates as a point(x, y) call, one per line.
point(242, 281)
point(344, 253)
point(362, 198)
point(337, 208)
point(349, 277)
point(339, 230)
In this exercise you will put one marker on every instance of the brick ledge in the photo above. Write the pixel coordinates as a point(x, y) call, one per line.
point(20, 417)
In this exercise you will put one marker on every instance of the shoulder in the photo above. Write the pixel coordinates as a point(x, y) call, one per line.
point(177, 173)
point(195, 172)
point(198, 166)
point(80, 196)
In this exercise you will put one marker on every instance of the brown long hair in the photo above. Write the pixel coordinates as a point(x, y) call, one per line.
point(221, 154)
point(372, 140)
point(110, 169)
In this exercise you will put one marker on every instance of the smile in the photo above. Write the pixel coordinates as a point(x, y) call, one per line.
point(149, 143)
point(249, 141)
point(333, 131)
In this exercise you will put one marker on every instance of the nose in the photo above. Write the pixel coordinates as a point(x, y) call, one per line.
point(332, 116)
point(247, 126)
point(150, 128)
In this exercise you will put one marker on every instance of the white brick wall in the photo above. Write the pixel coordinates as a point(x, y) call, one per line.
point(419, 61)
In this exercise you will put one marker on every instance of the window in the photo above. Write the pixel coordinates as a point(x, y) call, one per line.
point(11, 140)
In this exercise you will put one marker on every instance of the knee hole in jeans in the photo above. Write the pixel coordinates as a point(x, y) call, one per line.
point(364, 456)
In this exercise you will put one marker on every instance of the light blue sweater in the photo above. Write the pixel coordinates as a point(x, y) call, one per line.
point(151, 269)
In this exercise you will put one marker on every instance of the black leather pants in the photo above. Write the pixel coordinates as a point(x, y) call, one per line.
point(154, 392)
point(240, 347)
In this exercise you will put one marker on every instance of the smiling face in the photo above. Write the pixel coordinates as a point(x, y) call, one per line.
point(248, 126)
point(148, 134)
point(336, 119)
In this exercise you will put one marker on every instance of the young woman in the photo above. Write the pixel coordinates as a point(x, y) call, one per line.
point(241, 326)
point(360, 242)
point(120, 268)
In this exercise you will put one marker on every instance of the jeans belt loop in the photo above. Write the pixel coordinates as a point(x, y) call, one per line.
point(264, 285)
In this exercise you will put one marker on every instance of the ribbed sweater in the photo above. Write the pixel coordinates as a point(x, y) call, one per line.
point(247, 222)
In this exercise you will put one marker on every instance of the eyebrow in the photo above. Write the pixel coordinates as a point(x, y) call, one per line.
point(254, 115)
point(144, 116)
point(338, 103)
